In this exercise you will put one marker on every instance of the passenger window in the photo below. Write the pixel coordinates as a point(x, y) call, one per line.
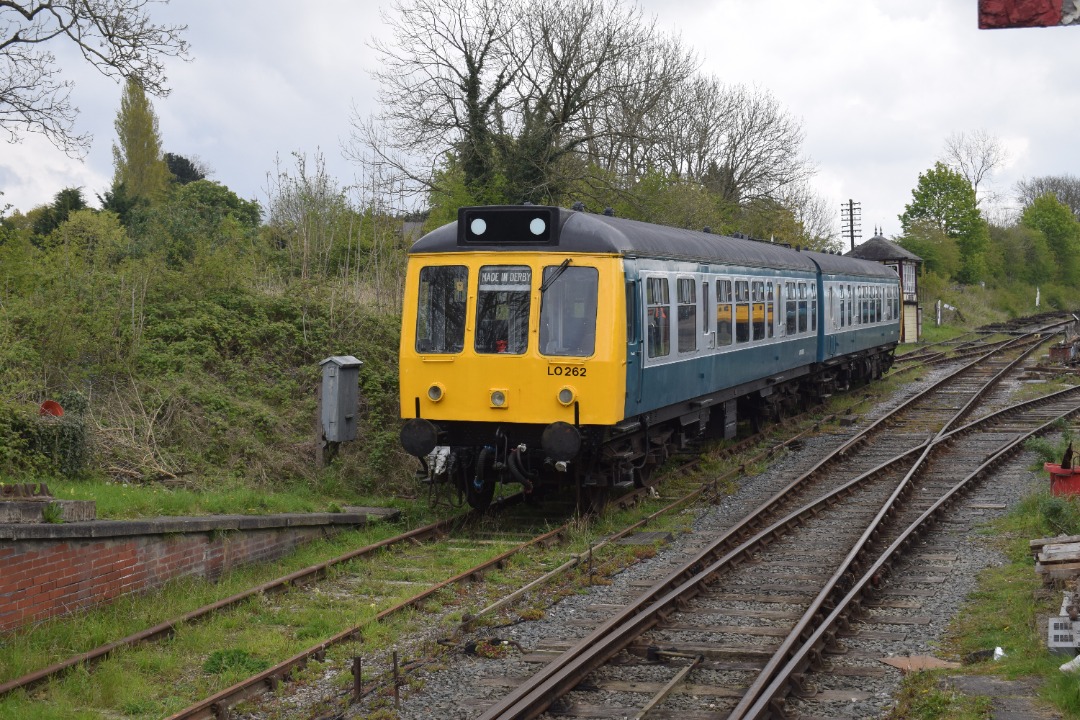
point(658, 301)
point(791, 309)
point(757, 293)
point(686, 289)
point(724, 319)
point(440, 309)
point(811, 290)
point(770, 319)
point(568, 311)
point(742, 311)
point(705, 308)
point(802, 307)
point(502, 309)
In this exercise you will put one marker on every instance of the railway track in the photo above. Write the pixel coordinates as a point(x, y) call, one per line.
point(219, 704)
point(752, 556)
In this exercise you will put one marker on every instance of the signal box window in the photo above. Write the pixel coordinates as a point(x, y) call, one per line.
point(440, 309)
point(724, 309)
point(502, 309)
point(658, 302)
point(568, 311)
point(687, 294)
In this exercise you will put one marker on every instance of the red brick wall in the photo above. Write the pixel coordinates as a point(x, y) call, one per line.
point(40, 579)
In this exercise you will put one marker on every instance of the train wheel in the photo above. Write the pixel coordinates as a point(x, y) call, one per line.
point(480, 489)
point(643, 474)
point(592, 499)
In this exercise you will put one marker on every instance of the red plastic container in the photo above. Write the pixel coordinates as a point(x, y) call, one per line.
point(1063, 481)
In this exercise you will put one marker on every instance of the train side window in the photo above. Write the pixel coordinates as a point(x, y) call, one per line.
point(812, 291)
point(757, 295)
point(686, 292)
point(705, 308)
point(742, 311)
point(440, 309)
point(877, 302)
point(791, 309)
point(568, 311)
point(802, 308)
point(851, 305)
point(502, 309)
point(658, 301)
point(724, 315)
point(841, 320)
point(770, 304)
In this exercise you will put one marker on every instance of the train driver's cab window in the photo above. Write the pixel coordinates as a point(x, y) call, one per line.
point(686, 290)
point(568, 311)
point(658, 302)
point(502, 309)
point(440, 309)
point(742, 311)
point(724, 313)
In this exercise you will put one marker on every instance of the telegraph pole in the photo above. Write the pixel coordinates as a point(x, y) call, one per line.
point(851, 221)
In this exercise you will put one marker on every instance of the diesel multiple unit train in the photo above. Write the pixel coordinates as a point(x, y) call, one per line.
point(550, 347)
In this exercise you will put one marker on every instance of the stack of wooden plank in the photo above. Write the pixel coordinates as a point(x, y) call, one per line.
point(1057, 558)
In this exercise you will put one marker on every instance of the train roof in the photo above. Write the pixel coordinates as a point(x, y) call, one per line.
point(846, 265)
point(515, 228)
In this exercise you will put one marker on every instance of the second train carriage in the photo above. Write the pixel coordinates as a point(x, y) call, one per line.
point(545, 346)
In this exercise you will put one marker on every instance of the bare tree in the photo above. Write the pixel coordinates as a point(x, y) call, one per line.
point(539, 92)
point(975, 156)
point(761, 150)
point(115, 36)
point(440, 79)
point(581, 62)
point(1066, 188)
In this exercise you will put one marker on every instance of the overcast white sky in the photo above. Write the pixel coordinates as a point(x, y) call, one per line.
point(878, 84)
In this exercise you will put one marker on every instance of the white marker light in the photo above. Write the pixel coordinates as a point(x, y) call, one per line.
point(478, 226)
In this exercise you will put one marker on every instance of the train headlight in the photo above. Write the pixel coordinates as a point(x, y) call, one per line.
point(566, 395)
point(537, 226)
point(498, 398)
point(435, 392)
point(478, 226)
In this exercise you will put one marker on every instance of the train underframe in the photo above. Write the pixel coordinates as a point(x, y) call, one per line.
point(471, 459)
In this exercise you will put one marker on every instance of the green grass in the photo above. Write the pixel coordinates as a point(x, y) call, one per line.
point(115, 500)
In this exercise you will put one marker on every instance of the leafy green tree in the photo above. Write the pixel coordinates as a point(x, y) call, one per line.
point(137, 157)
point(944, 199)
point(1024, 254)
point(939, 252)
point(64, 203)
point(183, 170)
point(1062, 232)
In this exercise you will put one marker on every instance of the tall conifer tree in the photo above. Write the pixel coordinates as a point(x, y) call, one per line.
point(137, 158)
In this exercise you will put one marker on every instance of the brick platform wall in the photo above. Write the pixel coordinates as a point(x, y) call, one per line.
point(45, 577)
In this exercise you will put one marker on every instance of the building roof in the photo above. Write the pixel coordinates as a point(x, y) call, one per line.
point(879, 249)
